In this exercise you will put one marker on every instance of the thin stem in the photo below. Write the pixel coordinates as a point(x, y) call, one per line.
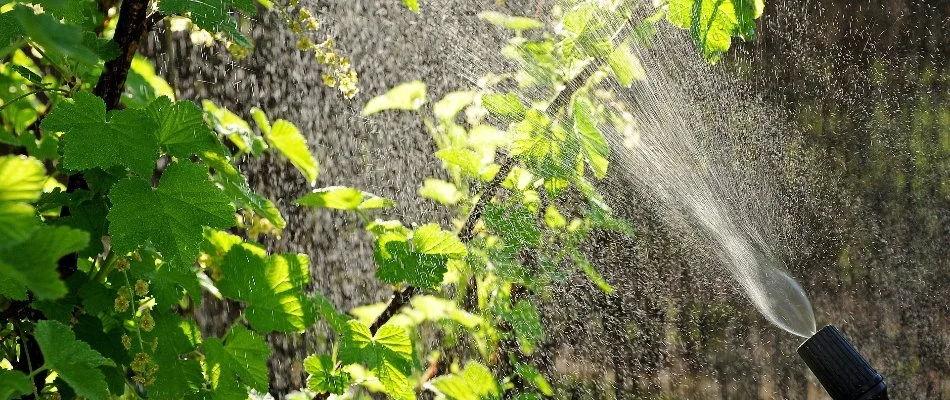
point(27, 94)
point(29, 361)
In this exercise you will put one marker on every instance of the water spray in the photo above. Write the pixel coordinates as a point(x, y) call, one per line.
point(844, 373)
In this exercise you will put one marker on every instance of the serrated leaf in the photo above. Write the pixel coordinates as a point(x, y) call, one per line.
point(343, 198)
point(168, 281)
point(273, 288)
point(407, 96)
point(440, 191)
point(14, 384)
point(31, 264)
point(21, 183)
point(474, 382)
point(181, 127)
point(713, 23)
point(286, 138)
point(516, 225)
point(237, 362)
point(325, 377)
point(546, 150)
point(73, 360)
point(510, 22)
point(592, 141)
point(144, 85)
point(626, 66)
point(387, 353)
point(94, 139)
point(505, 106)
point(178, 375)
point(169, 218)
point(236, 187)
point(431, 239)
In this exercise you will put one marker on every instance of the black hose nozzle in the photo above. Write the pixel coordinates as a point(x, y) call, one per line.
point(840, 368)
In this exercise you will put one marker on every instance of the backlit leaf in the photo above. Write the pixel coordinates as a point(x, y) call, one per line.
point(474, 382)
point(286, 138)
point(31, 264)
point(21, 183)
point(238, 362)
point(510, 22)
point(407, 96)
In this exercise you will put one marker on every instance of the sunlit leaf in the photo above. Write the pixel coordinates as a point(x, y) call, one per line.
point(407, 96)
point(510, 22)
point(474, 382)
point(286, 138)
point(325, 377)
point(440, 191)
point(21, 183)
point(343, 198)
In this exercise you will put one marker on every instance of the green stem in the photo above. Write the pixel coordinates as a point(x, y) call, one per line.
point(29, 361)
point(27, 94)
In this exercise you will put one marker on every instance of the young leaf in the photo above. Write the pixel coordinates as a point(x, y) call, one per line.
point(275, 296)
point(169, 218)
point(510, 22)
point(237, 362)
point(286, 138)
point(31, 264)
point(343, 198)
point(505, 106)
point(74, 361)
point(625, 66)
point(236, 187)
point(181, 127)
point(144, 85)
point(324, 376)
point(94, 139)
point(592, 274)
point(474, 382)
point(407, 96)
point(235, 129)
point(595, 146)
point(440, 191)
point(431, 239)
point(212, 15)
point(21, 183)
point(27, 73)
point(387, 353)
point(450, 105)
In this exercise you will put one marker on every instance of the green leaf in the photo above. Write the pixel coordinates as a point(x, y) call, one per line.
point(474, 382)
point(56, 38)
point(431, 239)
point(592, 141)
point(387, 353)
point(73, 360)
point(236, 187)
point(545, 149)
point(273, 288)
point(412, 4)
point(441, 191)
point(325, 377)
point(592, 274)
point(181, 127)
point(178, 374)
point(407, 96)
point(531, 375)
point(450, 105)
point(94, 139)
point(31, 264)
point(211, 15)
point(343, 198)
point(14, 384)
point(170, 218)
point(144, 85)
point(238, 362)
point(167, 281)
point(286, 138)
point(510, 22)
point(505, 106)
point(21, 183)
point(233, 127)
point(27, 73)
point(626, 66)
point(516, 225)
point(526, 322)
point(420, 260)
point(712, 23)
